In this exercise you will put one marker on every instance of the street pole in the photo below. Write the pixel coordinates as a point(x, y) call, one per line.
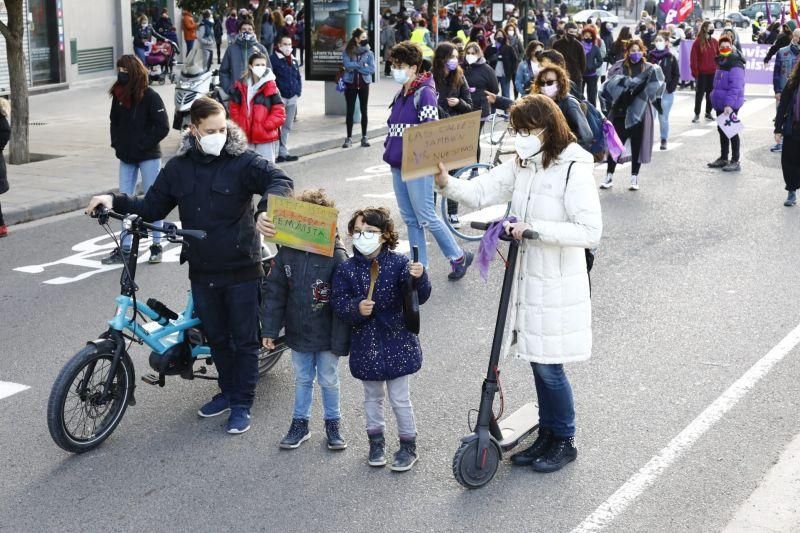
point(353, 21)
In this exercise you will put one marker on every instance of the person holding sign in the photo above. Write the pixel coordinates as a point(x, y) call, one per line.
point(212, 180)
point(727, 97)
point(384, 353)
point(552, 191)
point(296, 295)
point(416, 103)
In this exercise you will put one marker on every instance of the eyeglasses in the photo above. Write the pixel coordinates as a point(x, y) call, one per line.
point(367, 234)
point(548, 83)
point(522, 132)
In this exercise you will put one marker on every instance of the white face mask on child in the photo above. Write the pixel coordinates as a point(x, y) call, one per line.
point(366, 245)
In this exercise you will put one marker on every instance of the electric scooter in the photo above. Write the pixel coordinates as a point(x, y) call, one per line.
point(478, 457)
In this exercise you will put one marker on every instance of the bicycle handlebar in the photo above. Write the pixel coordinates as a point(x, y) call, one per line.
point(169, 229)
point(483, 226)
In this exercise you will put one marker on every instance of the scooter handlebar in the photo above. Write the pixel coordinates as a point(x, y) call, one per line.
point(483, 226)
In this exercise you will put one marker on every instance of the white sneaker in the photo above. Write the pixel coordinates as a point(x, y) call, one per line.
point(634, 183)
point(607, 183)
point(455, 223)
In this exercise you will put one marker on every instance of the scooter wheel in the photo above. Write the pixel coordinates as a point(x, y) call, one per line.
point(465, 468)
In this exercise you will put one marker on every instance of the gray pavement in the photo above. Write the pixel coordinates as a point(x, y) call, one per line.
point(693, 284)
point(71, 127)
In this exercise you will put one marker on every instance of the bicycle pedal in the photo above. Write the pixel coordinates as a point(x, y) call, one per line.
point(153, 379)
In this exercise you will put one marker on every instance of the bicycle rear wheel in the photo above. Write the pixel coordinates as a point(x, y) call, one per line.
point(467, 214)
point(78, 416)
point(267, 359)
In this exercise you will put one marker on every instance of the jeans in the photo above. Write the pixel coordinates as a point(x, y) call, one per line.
point(290, 104)
point(325, 366)
point(556, 406)
point(128, 176)
point(703, 87)
point(266, 150)
point(663, 118)
point(505, 85)
point(399, 397)
point(590, 85)
point(418, 210)
point(189, 45)
point(229, 314)
point(141, 53)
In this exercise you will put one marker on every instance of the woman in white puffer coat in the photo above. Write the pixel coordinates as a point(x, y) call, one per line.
point(553, 192)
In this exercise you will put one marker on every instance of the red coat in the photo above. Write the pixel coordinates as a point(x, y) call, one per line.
point(703, 58)
point(267, 114)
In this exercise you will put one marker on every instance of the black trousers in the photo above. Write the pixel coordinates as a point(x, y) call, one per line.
point(635, 134)
point(2, 222)
point(590, 84)
point(350, 94)
point(229, 314)
point(703, 87)
point(790, 163)
point(729, 145)
point(219, 51)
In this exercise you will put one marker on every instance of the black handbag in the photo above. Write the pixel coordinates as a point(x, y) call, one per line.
point(411, 300)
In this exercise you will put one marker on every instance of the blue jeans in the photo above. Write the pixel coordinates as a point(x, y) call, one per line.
point(325, 366)
point(189, 45)
point(415, 200)
point(663, 118)
point(229, 314)
point(141, 53)
point(128, 175)
point(505, 86)
point(556, 407)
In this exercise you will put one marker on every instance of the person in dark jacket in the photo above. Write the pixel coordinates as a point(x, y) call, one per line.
point(267, 31)
point(782, 40)
point(616, 51)
point(663, 57)
point(234, 62)
point(212, 181)
point(594, 60)
point(142, 36)
point(218, 31)
point(480, 77)
point(553, 82)
point(384, 353)
point(573, 53)
point(290, 84)
point(503, 59)
point(297, 296)
point(454, 96)
point(139, 123)
point(727, 98)
point(164, 24)
point(787, 132)
point(5, 136)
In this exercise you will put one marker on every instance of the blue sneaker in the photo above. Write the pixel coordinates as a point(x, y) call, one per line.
point(460, 266)
point(239, 421)
point(777, 148)
point(218, 405)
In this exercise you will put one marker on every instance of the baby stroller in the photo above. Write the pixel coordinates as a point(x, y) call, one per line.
point(161, 59)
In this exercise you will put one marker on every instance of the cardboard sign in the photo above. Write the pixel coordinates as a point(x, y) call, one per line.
point(303, 226)
point(453, 141)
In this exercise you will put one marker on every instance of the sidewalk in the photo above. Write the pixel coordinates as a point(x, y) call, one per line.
point(73, 125)
point(775, 505)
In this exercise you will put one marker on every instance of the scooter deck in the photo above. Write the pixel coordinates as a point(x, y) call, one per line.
point(519, 425)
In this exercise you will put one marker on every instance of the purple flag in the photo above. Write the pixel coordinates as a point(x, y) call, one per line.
point(614, 143)
point(488, 246)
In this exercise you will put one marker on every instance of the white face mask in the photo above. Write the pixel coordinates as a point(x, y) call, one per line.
point(259, 71)
point(549, 90)
point(527, 147)
point(660, 45)
point(471, 58)
point(366, 245)
point(212, 144)
point(511, 33)
point(286, 50)
point(400, 75)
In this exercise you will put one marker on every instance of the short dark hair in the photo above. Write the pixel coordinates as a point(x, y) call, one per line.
point(381, 218)
point(406, 53)
point(245, 20)
point(204, 107)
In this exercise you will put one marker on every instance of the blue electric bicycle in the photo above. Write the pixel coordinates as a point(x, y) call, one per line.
point(93, 390)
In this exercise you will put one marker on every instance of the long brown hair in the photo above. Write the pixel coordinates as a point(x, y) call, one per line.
point(132, 92)
point(441, 75)
point(703, 34)
point(536, 111)
point(355, 38)
point(561, 76)
point(627, 64)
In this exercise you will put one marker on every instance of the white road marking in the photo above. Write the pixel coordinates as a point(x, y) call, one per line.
point(647, 475)
point(695, 133)
point(9, 389)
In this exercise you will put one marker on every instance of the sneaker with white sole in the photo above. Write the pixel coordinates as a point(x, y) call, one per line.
point(634, 183)
point(239, 420)
point(218, 405)
point(608, 182)
point(297, 435)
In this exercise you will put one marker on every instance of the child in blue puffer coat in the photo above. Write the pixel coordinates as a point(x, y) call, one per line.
point(383, 351)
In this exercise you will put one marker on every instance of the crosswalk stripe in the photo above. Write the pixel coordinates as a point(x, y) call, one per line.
point(9, 389)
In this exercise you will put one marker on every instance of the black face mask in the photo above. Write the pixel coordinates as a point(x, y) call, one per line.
point(123, 78)
point(365, 42)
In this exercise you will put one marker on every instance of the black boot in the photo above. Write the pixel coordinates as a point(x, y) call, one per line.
point(539, 447)
point(406, 456)
point(377, 450)
point(335, 440)
point(297, 435)
point(560, 453)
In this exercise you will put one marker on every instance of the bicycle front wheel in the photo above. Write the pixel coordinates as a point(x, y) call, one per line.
point(79, 415)
point(459, 224)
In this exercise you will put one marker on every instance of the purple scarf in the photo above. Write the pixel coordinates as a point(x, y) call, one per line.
point(587, 47)
point(614, 143)
point(488, 245)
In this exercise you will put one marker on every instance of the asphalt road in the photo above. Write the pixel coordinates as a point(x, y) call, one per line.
point(695, 281)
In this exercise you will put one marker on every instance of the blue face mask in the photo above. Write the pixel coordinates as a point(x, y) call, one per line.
point(400, 75)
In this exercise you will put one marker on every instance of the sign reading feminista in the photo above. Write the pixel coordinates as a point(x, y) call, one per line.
point(303, 226)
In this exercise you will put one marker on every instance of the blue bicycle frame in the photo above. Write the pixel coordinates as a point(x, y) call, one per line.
point(164, 337)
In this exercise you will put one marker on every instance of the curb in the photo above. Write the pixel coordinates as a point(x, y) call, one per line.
point(31, 212)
